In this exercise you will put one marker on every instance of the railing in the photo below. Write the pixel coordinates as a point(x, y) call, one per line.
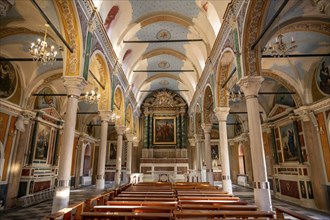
point(35, 198)
point(280, 211)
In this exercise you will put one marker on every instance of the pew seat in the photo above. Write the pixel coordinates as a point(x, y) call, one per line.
point(125, 215)
point(178, 214)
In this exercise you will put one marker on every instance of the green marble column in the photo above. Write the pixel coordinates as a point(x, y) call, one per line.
point(178, 136)
point(183, 131)
point(150, 130)
point(146, 131)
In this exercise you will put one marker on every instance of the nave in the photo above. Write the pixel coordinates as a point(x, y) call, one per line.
point(43, 210)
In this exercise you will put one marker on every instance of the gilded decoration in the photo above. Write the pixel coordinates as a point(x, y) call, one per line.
point(164, 99)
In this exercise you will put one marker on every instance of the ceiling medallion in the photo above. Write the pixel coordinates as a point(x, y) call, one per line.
point(163, 35)
point(164, 82)
point(164, 64)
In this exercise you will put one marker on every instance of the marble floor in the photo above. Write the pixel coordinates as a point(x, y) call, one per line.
point(40, 211)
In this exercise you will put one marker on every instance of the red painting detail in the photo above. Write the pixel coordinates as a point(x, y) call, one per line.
point(39, 186)
point(289, 188)
point(25, 172)
point(111, 16)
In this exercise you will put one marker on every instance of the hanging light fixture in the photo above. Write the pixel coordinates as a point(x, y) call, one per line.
point(41, 52)
point(281, 48)
point(92, 97)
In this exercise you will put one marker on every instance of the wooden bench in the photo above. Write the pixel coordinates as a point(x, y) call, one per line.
point(125, 215)
point(142, 203)
point(281, 210)
point(131, 208)
point(211, 202)
point(177, 214)
point(150, 192)
point(207, 198)
point(146, 195)
point(217, 207)
point(144, 198)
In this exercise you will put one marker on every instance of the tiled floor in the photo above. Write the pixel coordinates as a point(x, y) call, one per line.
point(41, 210)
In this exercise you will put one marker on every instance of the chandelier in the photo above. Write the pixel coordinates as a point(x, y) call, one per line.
point(92, 97)
point(281, 48)
point(234, 96)
point(41, 52)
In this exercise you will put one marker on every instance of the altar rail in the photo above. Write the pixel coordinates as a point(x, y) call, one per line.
point(35, 198)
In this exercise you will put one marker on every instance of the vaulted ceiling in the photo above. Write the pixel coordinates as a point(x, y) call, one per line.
point(162, 44)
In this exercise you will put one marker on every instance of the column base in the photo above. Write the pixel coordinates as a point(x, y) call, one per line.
point(227, 186)
point(100, 184)
point(209, 177)
point(262, 199)
point(61, 198)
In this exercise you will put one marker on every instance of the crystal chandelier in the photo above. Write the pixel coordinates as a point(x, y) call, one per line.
point(281, 48)
point(41, 52)
point(234, 96)
point(92, 97)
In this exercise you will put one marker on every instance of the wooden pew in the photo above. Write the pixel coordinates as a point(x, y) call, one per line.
point(127, 208)
point(180, 198)
point(146, 195)
point(125, 215)
point(178, 214)
point(142, 203)
point(281, 210)
point(144, 198)
point(217, 207)
point(211, 202)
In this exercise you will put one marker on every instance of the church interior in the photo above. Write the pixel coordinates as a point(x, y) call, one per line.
point(151, 94)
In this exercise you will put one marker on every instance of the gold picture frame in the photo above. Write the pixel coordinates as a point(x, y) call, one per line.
point(164, 130)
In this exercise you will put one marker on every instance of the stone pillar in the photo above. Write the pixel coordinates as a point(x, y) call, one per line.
point(193, 155)
point(105, 118)
point(129, 137)
point(198, 138)
point(207, 157)
point(120, 131)
point(222, 113)
point(250, 86)
point(74, 86)
point(178, 133)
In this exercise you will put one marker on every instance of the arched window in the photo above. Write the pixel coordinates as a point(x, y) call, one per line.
point(241, 159)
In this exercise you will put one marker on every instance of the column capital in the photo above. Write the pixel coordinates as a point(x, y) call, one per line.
point(74, 85)
point(198, 137)
point(222, 113)
point(136, 142)
point(207, 128)
point(192, 141)
point(105, 115)
point(120, 129)
point(250, 85)
point(129, 136)
point(303, 113)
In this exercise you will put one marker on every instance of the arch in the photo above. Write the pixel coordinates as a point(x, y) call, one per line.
point(207, 105)
point(70, 19)
point(118, 106)
point(87, 160)
point(129, 118)
point(223, 69)
point(241, 159)
point(98, 66)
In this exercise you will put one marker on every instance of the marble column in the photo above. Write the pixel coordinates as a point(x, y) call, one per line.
point(182, 128)
point(222, 113)
point(120, 131)
point(198, 138)
point(105, 118)
point(150, 130)
point(207, 155)
point(129, 137)
point(250, 86)
point(146, 130)
point(74, 86)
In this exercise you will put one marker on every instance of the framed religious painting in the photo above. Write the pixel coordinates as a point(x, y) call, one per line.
point(164, 130)
point(42, 142)
point(289, 143)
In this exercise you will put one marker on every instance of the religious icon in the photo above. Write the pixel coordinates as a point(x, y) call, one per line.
point(323, 76)
point(164, 130)
point(8, 79)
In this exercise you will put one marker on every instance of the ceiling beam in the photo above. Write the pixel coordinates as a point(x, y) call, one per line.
point(229, 77)
point(299, 55)
point(24, 59)
point(52, 25)
point(162, 71)
point(269, 24)
point(237, 113)
point(162, 41)
point(87, 113)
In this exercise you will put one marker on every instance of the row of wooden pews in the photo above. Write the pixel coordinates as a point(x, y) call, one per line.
point(160, 201)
